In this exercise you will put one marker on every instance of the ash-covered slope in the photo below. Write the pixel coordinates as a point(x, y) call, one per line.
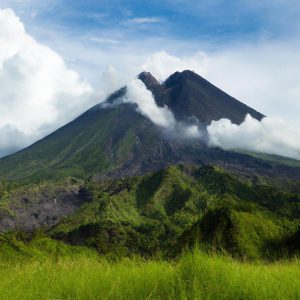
point(116, 140)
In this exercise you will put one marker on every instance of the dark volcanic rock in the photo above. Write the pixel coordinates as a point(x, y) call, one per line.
point(187, 94)
point(44, 205)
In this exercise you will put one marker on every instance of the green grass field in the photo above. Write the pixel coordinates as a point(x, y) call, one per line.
point(194, 276)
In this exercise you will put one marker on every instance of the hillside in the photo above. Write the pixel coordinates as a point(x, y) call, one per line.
point(100, 139)
point(275, 159)
point(162, 213)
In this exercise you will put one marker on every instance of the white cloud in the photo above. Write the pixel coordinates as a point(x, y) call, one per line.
point(38, 92)
point(111, 80)
point(162, 65)
point(103, 40)
point(263, 74)
point(144, 20)
point(11, 139)
point(270, 135)
point(138, 93)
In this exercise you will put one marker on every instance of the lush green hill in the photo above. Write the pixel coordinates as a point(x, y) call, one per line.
point(162, 213)
point(99, 140)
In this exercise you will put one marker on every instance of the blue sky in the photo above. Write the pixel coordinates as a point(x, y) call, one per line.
point(180, 27)
point(180, 19)
point(90, 34)
point(250, 49)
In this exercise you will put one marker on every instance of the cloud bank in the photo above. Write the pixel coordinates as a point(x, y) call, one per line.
point(38, 92)
point(270, 135)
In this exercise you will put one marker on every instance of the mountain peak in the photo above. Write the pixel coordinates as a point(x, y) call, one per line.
point(153, 85)
point(178, 77)
point(148, 79)
point(189, 95)
point(186, 73)
point(146, 74)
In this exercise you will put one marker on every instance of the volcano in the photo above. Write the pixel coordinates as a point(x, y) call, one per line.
point(113, 139)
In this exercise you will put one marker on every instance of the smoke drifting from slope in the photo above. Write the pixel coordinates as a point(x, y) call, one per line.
point(269, 135)
point(138, 93)
point(161, 116)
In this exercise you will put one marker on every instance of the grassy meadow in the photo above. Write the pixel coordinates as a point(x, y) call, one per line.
point(195, 275)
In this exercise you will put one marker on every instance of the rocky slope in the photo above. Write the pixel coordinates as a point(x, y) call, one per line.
point(189, 95)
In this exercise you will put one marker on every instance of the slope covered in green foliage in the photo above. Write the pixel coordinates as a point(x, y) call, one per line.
point(161, 214)
point(165, 212)
point(91, 143)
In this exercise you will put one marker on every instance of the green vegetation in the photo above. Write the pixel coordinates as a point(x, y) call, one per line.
point(194, 275)
point(180, 233)
point(92, 143)
point(161, 214)
point(21, 247)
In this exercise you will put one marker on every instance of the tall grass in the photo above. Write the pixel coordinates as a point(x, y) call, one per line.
point(195, 276)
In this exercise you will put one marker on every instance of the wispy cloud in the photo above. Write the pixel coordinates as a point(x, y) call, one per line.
point(34, 13)
point(97, 16)
point(144, 20)
point(103, 40)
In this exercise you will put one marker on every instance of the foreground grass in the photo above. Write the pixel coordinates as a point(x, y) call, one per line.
point(194, 276)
